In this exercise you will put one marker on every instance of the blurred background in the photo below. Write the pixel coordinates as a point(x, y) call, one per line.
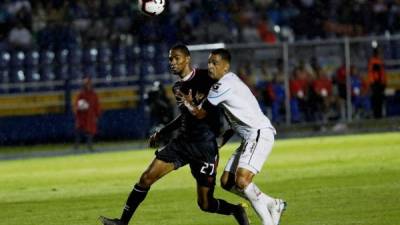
point(315, 66)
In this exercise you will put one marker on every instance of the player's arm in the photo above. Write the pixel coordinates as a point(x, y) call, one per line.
point(170, 127)
point(199, 111)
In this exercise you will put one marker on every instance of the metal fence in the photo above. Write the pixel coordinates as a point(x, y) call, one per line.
point(328, 54)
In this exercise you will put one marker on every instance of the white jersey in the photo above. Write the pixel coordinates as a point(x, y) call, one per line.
point(240, 105)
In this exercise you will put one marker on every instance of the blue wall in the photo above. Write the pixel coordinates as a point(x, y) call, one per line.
point(113, 124)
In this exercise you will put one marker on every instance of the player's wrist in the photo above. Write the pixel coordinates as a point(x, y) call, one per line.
point(190, 106)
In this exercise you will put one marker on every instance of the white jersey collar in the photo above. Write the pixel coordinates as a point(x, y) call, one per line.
point(227, 75)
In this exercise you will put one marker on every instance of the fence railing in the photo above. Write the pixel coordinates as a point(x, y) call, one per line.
point(327, 54)
point(259, 60)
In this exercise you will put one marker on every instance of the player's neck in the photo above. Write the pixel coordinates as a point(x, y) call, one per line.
point(221, 76)
point(187, 73)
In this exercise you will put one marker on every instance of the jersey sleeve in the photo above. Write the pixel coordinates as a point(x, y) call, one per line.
point(218, 93)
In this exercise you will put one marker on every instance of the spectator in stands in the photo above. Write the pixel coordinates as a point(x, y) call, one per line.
point(265, 30)
point(39, 17)
point(87, 112)
point(377, 80)
point(20, 37)
point(218, 31)
point(245, 73)
point(360, 94)
point(321, 96)
point(394, 17)
point(299, 92)
point(340, 81)
point(380, 15)
point(275, 94)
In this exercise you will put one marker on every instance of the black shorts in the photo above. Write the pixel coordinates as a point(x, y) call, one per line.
point(202, 158)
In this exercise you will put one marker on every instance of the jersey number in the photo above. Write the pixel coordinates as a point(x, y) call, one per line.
point(207, 166)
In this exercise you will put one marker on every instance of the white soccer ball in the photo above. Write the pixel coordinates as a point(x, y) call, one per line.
point(83, 105)
point(151, 7)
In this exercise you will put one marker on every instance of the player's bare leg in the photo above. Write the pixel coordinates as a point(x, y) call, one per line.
point(268, 209)
point(207, 203)
point(154, 172)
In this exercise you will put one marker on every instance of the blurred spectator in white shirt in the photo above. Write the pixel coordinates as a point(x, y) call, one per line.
point(20, 37)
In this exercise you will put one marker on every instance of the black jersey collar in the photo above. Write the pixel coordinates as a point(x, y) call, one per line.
point(189, 76)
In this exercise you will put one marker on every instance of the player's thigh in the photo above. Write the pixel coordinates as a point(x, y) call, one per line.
point(155, 171)
point(256, 151)
point(233, 161)
point(173, 153)
point(204, 172)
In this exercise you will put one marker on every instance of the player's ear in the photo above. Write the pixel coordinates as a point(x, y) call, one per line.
point(188, 58)
point(227, 67)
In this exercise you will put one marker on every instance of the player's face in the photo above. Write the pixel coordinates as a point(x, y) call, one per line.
point(178, 61)
point(217, 67)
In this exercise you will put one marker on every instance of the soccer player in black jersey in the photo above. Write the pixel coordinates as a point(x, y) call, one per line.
point(195, 145)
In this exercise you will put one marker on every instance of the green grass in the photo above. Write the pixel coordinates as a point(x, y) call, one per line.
point(339, 180)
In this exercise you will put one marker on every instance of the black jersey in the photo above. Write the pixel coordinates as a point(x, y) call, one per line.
point(192, 128)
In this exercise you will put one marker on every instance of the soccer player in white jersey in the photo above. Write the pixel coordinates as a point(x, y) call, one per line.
point(254, 128)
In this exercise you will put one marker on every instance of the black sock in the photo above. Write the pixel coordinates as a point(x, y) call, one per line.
point(223, 207)
point(137, 195)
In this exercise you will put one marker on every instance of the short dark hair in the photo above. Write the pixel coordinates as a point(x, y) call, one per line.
point(181, 47)
point(224, 53)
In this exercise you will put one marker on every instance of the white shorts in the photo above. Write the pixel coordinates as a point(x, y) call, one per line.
point(253, 152)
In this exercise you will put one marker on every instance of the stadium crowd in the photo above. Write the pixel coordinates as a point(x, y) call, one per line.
point(51, 26)
point(58, 24)
point(315, 94)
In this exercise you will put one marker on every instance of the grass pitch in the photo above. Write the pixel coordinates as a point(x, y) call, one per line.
point(339, 180)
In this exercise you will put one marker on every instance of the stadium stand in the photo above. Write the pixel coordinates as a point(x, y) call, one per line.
point(125, 52)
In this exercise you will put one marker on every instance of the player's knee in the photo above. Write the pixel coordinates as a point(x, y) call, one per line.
point(242, 182)
point(243, 178)
point(146, 180)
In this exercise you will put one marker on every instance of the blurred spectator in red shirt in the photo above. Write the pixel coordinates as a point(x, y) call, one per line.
point(340, 80)
point(377, 80)
point(265, 30)
point(299, 88)
point(322, 97)
point(87, 111)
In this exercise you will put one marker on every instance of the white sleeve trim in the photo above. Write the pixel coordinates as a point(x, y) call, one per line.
point(216, 96)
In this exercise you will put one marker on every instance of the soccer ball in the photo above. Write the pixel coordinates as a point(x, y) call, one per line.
point(151, 7)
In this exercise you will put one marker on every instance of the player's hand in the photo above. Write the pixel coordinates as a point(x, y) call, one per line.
point(154, 139)
point(185, 98)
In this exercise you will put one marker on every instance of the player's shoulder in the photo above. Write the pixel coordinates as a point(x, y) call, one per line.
point(219, 88)
point(225, 84)
point(201, 72)
point(201, 75)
